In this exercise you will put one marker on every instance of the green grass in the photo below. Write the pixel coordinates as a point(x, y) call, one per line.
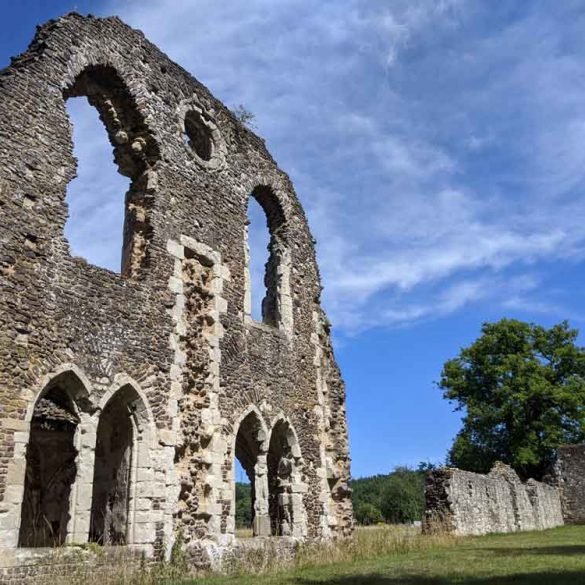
point(554, 557)
point(385, 555)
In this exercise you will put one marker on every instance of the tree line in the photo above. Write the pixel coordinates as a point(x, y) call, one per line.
point(394, 498)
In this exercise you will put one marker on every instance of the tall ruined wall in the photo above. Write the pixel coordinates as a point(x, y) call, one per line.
point(467, 503)
point(173, 329)
point(570, 478)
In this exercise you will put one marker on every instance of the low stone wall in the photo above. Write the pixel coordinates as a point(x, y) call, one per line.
point(464, 503)
point(570, 477)
point(86, 565)
point(71, 564)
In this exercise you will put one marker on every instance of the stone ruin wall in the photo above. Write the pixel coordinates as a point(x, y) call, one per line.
point(466, 503)
point(170, 338)
point(569, 476)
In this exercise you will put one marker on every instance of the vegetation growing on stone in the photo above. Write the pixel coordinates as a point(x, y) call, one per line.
point(244, 116)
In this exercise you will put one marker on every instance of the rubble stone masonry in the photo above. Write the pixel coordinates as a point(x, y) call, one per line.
point(463, 503)
point(570, 477)
point(126, 397)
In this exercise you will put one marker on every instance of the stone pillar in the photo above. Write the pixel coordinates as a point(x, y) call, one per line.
point(82, 488)
point(299, 520)
point(10, 508)
point(261, 526)
point(198, 278)
point(145, 486)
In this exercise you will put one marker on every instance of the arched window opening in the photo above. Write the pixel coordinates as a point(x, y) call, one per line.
point(117, 434)
point(259, 247)
point(267, 261)
point(284, 483)
point(50, 466)
point(250, 455)
point(97, 209)
point(95, 223)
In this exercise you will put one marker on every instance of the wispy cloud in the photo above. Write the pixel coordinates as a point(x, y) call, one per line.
point(436, 145)
point(398, 312)
point(96, 197)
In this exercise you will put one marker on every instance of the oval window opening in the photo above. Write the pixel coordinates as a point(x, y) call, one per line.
point(198, 135)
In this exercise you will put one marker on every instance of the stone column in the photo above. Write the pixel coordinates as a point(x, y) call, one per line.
point(261, 526)
point(82, 488)
point(10, 508)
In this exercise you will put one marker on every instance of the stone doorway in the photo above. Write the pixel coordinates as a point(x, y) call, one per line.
point(51, 467)
point(286, 489)
point(251, 453)
point(120, 432)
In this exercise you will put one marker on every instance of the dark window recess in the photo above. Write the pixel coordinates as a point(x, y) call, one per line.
point(111, 482)
point(198, 135)
point(50, 470)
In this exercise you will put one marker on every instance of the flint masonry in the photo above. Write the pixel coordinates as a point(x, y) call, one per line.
point(126, 398)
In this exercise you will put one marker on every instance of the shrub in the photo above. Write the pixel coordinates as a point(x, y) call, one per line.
point(368, 514)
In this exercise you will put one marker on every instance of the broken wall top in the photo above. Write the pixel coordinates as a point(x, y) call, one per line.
point(187, 184)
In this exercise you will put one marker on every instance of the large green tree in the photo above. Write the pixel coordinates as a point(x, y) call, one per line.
point(522, 390)
point(403, 496)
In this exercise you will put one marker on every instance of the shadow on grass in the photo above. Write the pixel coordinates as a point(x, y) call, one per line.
point(567, 550)
point(549, 578)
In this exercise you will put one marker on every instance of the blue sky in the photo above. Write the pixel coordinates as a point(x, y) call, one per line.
point(437, 146)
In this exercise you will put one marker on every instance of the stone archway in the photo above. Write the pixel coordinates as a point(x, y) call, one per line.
point(136, 153)
point(276, 306)
point(121, 458)
point(52, 471)
point(285, 482)
point(250, 451)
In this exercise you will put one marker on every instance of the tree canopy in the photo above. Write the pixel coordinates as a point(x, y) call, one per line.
point(243, 505)
point(522, 389)
point(397, 497)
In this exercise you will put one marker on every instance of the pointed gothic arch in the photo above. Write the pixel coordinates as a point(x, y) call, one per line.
point(52, 450)
point(122, 457)
point(285, 481)
point(276, 306)
point(250, 450)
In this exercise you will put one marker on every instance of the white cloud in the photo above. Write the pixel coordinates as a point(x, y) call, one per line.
point(96, 197)
point(433, 144)
point(455, 297)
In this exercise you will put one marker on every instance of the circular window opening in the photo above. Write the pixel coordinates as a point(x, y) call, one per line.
point(198, 135)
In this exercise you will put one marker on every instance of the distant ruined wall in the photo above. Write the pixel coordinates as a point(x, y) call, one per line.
point(570, 478)
point(465, 503)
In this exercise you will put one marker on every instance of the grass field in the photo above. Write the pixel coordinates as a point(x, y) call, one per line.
point(535, 558)
point(388, 555)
